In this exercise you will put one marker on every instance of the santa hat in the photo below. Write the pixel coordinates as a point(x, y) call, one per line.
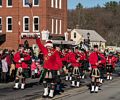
point(49, 44)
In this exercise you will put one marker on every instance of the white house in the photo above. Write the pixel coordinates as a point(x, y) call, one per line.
point(79, 35)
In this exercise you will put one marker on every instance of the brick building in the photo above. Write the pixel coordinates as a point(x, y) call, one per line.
point(24, 18)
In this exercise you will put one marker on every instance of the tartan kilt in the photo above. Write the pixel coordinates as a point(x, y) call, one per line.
point(109, 68)
point(76, 71)
point(50, 74)
point(95, 72)
point(22, 73)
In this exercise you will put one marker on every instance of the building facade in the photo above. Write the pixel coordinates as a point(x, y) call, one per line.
point(85, 36)
point(21, 19)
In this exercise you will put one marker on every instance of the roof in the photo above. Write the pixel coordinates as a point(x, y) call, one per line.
point(94, 36)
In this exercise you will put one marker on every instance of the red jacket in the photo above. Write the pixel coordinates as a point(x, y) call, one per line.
point(70, 57)
point(111, 60)
point(52, 62)
point(93, 59)
point(23, 63)
point(103, 60)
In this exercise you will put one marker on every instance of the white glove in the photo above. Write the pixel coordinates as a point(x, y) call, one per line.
point(19, 61)
point(36, 71)
point(90, 68)
point(22, 59)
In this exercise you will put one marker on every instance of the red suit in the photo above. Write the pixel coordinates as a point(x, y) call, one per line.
point(94, 58)
point(20, 63)
point(52, 60)
point(111, 60)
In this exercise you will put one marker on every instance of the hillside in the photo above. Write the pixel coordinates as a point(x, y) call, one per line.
point(105, 20)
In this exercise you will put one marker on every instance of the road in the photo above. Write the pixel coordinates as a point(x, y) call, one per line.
point(34, 92)
point(109, 91)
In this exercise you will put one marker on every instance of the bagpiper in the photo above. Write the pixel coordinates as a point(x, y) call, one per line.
point(52, 63)
point(21, 58)
point(94, 61)
point(111, 60)
point(102, 67)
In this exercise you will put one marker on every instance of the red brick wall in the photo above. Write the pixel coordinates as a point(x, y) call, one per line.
point(45, 12)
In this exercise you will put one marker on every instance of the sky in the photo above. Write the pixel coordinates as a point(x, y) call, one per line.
point(87, 3)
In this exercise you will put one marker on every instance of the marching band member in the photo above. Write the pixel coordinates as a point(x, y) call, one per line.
point(111, 60)
point(21, 58)
point(94, 61)
point(52, 63)
point(102, 67)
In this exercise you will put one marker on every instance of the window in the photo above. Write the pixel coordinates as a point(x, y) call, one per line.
point(26, 24)
point(9, 3)
point(56, 3)
point(56, 26)
point(36, 24)
point(26, 3)
point(0, 24)
point(0, 3)
point(60, 4)
point(35, 2)
point(60, 26)
point(74, 35)
point(9, 24)
point(52, 26)
point(52, 3)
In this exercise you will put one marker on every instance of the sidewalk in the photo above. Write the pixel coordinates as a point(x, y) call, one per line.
point(11, 84)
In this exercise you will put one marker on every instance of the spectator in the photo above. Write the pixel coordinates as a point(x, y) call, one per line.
point(4, 68)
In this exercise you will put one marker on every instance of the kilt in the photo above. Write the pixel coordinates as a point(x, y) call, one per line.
point(95, 73)
point(109, 68)
point(76, 71)
point(22, 73)
point(52, 75)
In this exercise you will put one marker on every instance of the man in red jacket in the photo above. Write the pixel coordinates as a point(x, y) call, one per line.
point(94, 61)
point(52, 63)
point(21, 58)
point(111, 60)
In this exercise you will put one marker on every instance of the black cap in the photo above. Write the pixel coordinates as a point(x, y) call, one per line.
point(76, 47)
point(95, 46)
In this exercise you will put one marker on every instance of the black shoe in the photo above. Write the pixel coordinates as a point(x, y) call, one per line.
point(72, 86)
point(45, 96)
point(57, 92)
point(91, 91)
point(96, 91)
point(62, 91)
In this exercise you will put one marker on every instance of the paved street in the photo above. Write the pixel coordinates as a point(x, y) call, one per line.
point(109, 91)
point(34, 92)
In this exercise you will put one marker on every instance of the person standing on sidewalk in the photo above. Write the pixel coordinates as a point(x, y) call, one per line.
point(95, 60)
point(4, 68)
point(52, 63)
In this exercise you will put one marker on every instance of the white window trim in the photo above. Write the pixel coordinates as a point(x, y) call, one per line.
point(52, 26)
point(56, 3)
point(1, 23)
point(24, 4)
point(56, 27)
point(24, 24)
point(7, 24)
point(36, 5)
point(60, 27)
point(60, 4)
point(8, 5)
point(38, 23)
point(52, 3)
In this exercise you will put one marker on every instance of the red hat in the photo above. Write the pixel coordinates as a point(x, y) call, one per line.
point(49, 44)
